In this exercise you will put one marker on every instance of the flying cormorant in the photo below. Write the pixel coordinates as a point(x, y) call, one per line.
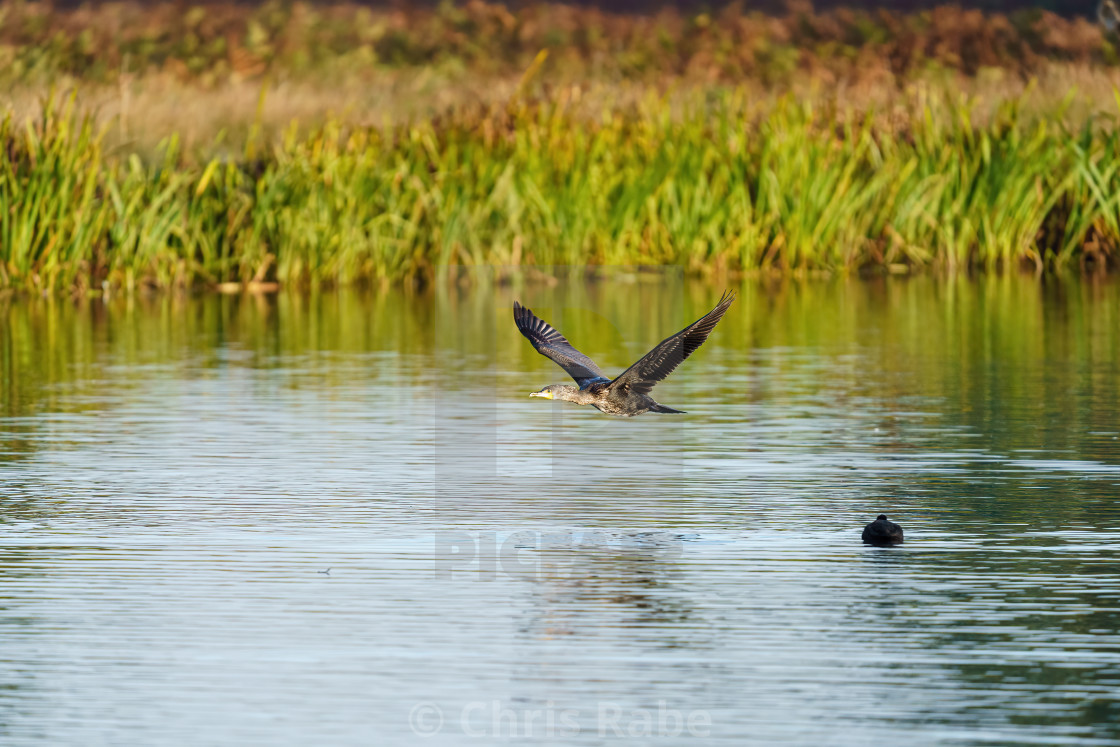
point(628, 394)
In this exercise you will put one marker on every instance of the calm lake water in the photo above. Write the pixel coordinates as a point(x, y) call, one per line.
point(176, 474)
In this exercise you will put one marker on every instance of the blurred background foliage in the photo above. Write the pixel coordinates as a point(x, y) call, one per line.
point(211, 43)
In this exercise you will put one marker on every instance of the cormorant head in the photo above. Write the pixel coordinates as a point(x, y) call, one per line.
point(549, 392)
point(881, 517)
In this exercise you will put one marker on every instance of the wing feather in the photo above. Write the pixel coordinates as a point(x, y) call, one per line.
point(553, 345)
point(658, 363)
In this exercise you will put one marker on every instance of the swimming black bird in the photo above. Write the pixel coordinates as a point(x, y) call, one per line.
point(627, 394)
point(882, 532)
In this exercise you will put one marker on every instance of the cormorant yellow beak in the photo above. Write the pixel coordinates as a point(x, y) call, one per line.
point(545, 395)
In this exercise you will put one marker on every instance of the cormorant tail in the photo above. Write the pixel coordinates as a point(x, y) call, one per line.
point(663, 408)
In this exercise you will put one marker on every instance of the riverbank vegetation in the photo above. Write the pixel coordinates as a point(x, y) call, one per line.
point(726, 143)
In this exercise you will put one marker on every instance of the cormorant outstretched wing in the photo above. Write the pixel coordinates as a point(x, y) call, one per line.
point(660, 362)
point(553, 345)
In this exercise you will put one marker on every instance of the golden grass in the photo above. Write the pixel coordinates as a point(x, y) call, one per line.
point(145, 110)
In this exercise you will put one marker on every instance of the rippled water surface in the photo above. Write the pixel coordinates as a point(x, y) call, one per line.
point(178, 475)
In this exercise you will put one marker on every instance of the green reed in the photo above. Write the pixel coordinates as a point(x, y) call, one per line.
point(723, 186)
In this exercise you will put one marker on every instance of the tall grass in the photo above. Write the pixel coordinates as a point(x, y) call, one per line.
point(722, 186)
